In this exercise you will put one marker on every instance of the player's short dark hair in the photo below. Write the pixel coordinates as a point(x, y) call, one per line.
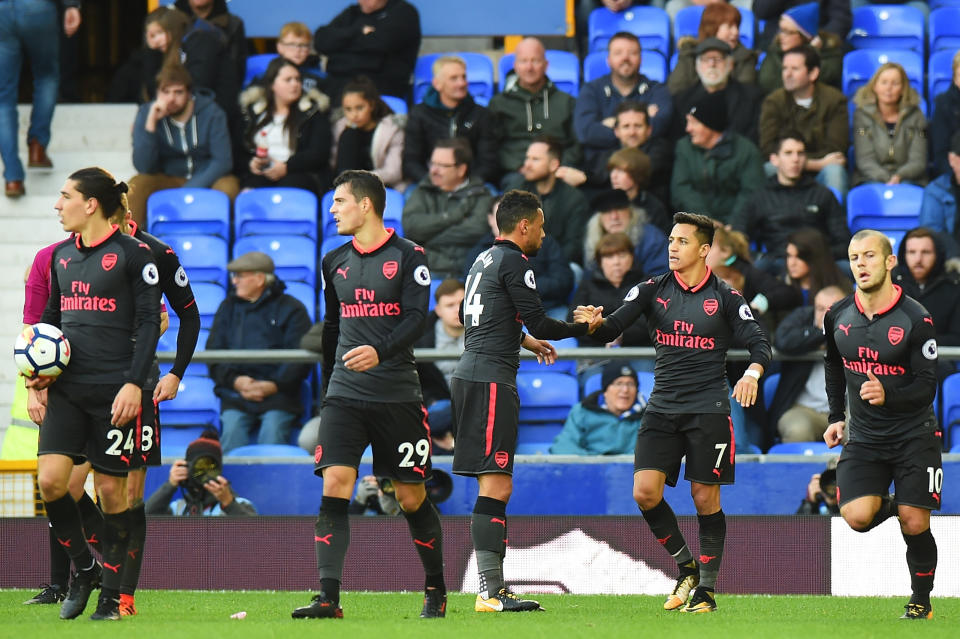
point(94, 182)
point(623, 35)
point(703, 223)
point(448, 286)
point(174, 73)
point(633, 106)
point(554, 148)
point(811, 59)
point(462, 154)
point(516, 205)
point(365, 184)
point(789, 134)
point(885, 246)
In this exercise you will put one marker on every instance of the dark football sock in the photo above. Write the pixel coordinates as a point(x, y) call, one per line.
point(116, 533)
point(888, 508)
point(59, 562)
point(663, 523)
point(332, 537)
point(92, 518)
point(713, 532)
point(428, 538)
point(487, 531)
point(922, 562)
point(133, 561)
point(65, 519)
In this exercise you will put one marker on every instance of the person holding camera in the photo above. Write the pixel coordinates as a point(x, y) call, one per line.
point(205, 491)
point(821, 497)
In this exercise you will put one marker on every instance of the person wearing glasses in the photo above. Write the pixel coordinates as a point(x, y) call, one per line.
point(295, 44)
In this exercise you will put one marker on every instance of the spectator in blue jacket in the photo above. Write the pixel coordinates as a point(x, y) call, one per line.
point(606, 421)
point(615, 214)
point(257, 398)
point(939, 208)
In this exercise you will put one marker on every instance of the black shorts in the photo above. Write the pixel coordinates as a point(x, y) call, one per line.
point(485, 416)
point(397, 432)
point(706, 440)
point(913, 465)
point(77, 424)
point(146, 435)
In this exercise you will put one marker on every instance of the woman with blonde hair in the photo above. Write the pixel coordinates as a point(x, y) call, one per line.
point(889, 130)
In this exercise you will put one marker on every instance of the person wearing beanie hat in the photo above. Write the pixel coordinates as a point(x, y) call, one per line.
point(797, 26)
point(804, 18)
point(205, 491)
point(715, 170)
point(614, 213)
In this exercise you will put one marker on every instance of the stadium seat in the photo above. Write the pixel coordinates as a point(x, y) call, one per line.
point(883, 207)
point(188, 212)
point(950, 412)
point(208, 296)
point(563, 68)
point(204, 257)
point(652, 64)
point(393, 211)
point(939, 73)
point(257, 65)
point(945, 29)
point(595, 65)
point(267, 450)
point(175, 439)
point(802, 448)
point(479, 75)
point(546, 396)
point(650, 24)
point(295, 257)
point(328, 228)
point(306, 294)
point(592, 384)
point(397, 105)
point(895, 236)
point(534, 447)
point(276, 211)
point(168, 342)
point(860, 65)
point(562, 365)
point(887, 26)
point(770, 383)
point(536, 439)
point(194, 405)
point(687, 23)
point(331, 243)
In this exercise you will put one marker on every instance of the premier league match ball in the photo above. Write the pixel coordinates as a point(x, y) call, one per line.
point(41, 350)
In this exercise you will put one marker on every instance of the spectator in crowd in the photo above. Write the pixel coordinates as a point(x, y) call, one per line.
point(816, 111)
point(369, 136)
point(31, 27)
point(260, 399)
point(714, 66)
point(286, 138)
point(443, 331)
point(798, 28)
point(376, 38)
point(447, 212)
point(586, 7)
point(449, 111)
point(215, 12)
point(607, 283)
point(204, 489)
point(181, 139)
point(371, 498)
point(551, 267)
point(716, 170)
point(722, 21)
point(295, 43)
point(821, 497)
point(939, 208)
point(946, 121)
point(799, 410)
point(565, 208)
point(789, 201)
point(530, 106)
point(809, 264)
point(606, 421)
point(889, 130)
point(630, 171)
point(598, 100)
point(614, 214)
point(834, 16)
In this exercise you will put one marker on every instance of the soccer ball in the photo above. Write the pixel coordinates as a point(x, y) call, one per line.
point(41, 350)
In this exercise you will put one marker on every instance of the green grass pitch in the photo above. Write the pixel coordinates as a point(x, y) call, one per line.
point(206, 615)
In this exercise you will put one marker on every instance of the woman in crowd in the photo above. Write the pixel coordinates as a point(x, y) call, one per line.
point(798, 25)
point(719, 20)
point(946, 121)
point(889, 131)
point(810, 266)
point(630, 171)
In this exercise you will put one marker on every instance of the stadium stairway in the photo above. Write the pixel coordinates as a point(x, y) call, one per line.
point(82, 135)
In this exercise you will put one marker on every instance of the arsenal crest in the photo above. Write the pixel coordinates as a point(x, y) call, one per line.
point(108, 261)
point(710, 306)
point(895, 334)
point(317, 454)
point(501, 458)
point(390, 269)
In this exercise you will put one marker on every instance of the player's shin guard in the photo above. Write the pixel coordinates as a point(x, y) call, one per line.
point(92, 518)
point(713, 532)
point(59, 562)
point(134, 557)
point(663, 523)
point(427, 536)
point(332, 537)
point(116, 532)
point(487, 531)
point(65, 519)
point(922, 562)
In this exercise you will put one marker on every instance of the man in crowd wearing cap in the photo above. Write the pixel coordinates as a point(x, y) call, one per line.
point(615, 214)
point(205, 491)
point(606, 421)
point(715, 170)
point(257, 397)
point(818, 112)
point(597, 103)
point(798, 26)
point(714, 65)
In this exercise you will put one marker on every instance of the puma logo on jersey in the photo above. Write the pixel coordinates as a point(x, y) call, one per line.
point(664, 302)
point(845, 329)
point(343, 272)
point(64, 262)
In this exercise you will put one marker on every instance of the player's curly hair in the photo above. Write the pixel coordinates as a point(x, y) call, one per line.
point(514, 206)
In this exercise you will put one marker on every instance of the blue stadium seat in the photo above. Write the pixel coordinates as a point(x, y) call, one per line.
point(936, 4)
point(536, 439)
point(592, 384)
point(479, 75)
point(883, 207)
point(204, 257)
point(267, 450)
point(950, 411)
point(802, 448)
point(399, 105)
point(545, 396)
point(650, 24)
point(595, 65)
point(294, 257)
point(194, 405)
point(939, 73)
point(887, 26)
point(393, 211)
point(328, 228)
point(945, 29)
point(770, 383)
point(306, 294)
point(562, 365)
point(538, 447)
point(687, 23)
point(330, 243)
point(276, 211)
point(188, 212)
point(652, 64)
point(563, 68)
point(859, 66)
point(208, 296)
point(257, 65)
point(175, 439)
point(168, 342)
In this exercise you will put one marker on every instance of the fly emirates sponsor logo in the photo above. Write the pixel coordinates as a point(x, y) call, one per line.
point(81, 300)
point(868, 362)
point(683, 337)
point(367, 306)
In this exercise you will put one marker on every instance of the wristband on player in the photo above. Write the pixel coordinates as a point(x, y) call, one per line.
point(752, 373)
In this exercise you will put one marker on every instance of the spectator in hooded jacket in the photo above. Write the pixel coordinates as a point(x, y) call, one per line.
point(216, 13)
point(939, 210)
point(614, 214)
point(946, 121)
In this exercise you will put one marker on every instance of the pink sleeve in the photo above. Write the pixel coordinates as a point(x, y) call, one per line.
point(37, 289)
